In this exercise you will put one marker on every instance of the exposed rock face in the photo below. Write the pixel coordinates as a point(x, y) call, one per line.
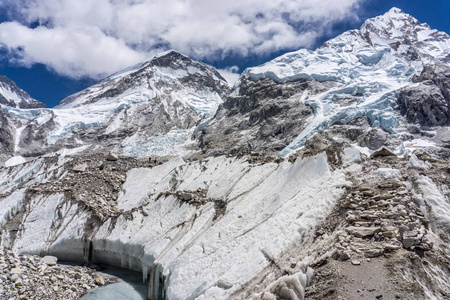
point(6, 136)
point(428, 103)
point(263, 116)
point(382, 235)
point(424, 104)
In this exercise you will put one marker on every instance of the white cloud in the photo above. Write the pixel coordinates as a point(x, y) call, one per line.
point(112, 33)
point(231, 74)
point(74, 53)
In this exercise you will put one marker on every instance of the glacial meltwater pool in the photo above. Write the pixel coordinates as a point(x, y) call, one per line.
point(128, 287)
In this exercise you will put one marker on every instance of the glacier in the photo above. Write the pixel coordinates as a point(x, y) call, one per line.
point(194, 251)
point(255, 222)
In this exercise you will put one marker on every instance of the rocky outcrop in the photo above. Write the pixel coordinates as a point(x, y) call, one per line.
point(424, 104)
point(263, 116)
point(6, 136)
point(428, 103)
point(381, 225)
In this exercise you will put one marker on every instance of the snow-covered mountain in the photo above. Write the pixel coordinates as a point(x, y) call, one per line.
point(322, 175)
point(149, 109)
point(280, 105)
point(12, 95)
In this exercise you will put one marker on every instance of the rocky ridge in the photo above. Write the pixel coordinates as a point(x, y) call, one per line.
point(383, 225)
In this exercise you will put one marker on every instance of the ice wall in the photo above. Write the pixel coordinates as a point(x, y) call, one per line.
point(192, 251)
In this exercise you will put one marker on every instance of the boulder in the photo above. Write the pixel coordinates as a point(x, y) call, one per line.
point(80, 168)
point(374, 252)
point(16, 271)
point(49, 260)
point(374, 139)
point(187, 196)
point(342, 255)
point(112, 157)
point(99, 279)
point(410, 238)
point(356, 262)
point(362, 231)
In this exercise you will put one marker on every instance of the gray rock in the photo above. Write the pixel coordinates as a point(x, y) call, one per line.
point(112, 157)
point(410, 238)
point(342, 255)
point(391, 247)
point(374, 252)
point(99, 279)
point(16, 271)
point(14, 277)
point(49, 260)
point(375, 139)
point(356, 262)
point(80, 168)
point(187, 196)
point(362, 231)
point(424, 104)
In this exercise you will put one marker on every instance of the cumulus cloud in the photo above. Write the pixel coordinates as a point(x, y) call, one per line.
point(231, 74)
point(96, 36)
point(75, 53)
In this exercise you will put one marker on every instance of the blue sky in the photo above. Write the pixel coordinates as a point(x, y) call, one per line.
point(54, 48)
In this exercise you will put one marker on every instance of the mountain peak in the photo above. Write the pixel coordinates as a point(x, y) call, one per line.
point(393, 23)
point(395, 11)
point(406, 35)
point(170, 59)
point(173, 54)
point(12, 95)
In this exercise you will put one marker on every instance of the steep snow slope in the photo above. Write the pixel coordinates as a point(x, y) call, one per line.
point(12, 95)
point(355, 75)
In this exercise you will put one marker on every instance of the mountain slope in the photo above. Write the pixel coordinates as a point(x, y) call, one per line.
point(356, 77)
point(150, 109)
point(12, 95)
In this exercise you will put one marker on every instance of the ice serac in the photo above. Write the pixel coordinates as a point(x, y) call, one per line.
point(357, 75)
point(12, 95)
